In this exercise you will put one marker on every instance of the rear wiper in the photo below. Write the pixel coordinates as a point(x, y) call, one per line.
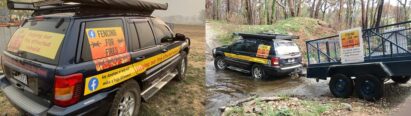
point(59, 23)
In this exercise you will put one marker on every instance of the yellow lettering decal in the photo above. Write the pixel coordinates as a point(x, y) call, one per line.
point(247, 58)
point(116, 76)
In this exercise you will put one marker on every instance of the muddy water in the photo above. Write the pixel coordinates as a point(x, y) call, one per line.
point(224, 87)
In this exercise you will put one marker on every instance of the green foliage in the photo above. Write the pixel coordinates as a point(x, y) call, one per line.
point(283, 112)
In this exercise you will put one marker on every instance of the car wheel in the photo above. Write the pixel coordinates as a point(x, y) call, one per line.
point(401, 79)
point(182, 67)
point(127, 100)
point(257, 72)
point(369, 87)
point(219, 63)
point(341, 86)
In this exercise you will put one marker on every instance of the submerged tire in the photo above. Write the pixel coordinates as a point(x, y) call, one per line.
point(219, 63)
point(127, 100)
point(369, 87)
point(182, 67)
point(341, 86)
point(257, 72)
point(401, 79)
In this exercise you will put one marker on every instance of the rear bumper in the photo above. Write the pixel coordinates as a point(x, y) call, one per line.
point(95, 104)
point(274, 71)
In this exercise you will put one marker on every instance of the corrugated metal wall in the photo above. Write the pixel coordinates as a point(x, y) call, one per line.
point(5, 35)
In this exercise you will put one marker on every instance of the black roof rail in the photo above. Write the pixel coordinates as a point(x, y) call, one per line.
point(266, 36)
point(89, 7)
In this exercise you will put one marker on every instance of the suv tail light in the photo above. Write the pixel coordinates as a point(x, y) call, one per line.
point(275, 61)
point(67, 89)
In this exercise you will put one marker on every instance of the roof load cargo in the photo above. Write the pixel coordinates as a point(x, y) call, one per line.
point(89, 7)
point(267, 36)
point(139, 5)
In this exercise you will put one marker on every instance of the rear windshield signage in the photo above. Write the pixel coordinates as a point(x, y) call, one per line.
point(106, 45)
point(263, 51)
point(41, 43)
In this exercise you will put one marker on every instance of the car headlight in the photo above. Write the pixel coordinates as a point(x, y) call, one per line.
point(214, 50)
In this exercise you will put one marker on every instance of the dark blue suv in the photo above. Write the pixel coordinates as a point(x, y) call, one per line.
point(78, 59)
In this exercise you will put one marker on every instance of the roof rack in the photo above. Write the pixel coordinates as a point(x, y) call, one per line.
point(89, 7)
point(267, 36)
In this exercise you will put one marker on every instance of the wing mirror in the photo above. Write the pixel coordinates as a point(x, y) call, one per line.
point(180, 37)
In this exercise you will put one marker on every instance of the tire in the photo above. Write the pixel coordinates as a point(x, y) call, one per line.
point(341, 86)
point(182, 67)
point(400, 79)
point(129, 93)
point(369, 87)
point(219, 63)
point(257, 72)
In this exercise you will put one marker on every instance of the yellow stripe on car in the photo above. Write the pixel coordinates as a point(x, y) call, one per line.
point(247, 58)
point(116, 76)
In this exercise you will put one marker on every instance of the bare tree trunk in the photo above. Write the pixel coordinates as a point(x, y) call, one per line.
point(317, 9)
point(312, 9)
point(248, 10)
point(291, 7)
point(340, 11)
point(348, 13)
point(284, 6)
point(366, 14)
point(362, 14)
point(273, 11)
point(379, 13)
point(299, 7)
point(372, 17)
point(404, 6)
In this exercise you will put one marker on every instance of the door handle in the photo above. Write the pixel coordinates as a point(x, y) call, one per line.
point(140, 58)
point(164, 50)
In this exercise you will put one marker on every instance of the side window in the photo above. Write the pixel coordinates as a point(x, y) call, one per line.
point(135, 44)
point(103, 39)
point(238, 46)
point(251, 45)
point(162, 32)
point(145, 34)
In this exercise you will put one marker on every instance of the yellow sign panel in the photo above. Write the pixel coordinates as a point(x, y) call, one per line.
point(41, 43)
point(116, 76)
point(263, 51)
point(247, 58)
point(350, 39)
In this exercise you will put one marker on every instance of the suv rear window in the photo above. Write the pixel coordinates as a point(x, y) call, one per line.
point(286, 47)
point(39, 39)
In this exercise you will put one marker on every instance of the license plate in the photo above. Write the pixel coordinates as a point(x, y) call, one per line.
point(22, 78)
point(291, 60)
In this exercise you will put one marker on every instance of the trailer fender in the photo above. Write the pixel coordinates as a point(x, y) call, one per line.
point(374, 68)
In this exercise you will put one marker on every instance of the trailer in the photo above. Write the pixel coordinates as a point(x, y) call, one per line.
point(386, 55)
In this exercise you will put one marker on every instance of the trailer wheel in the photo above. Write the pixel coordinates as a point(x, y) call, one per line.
point(369, 87)
point(341, 86)
point(401, 79)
